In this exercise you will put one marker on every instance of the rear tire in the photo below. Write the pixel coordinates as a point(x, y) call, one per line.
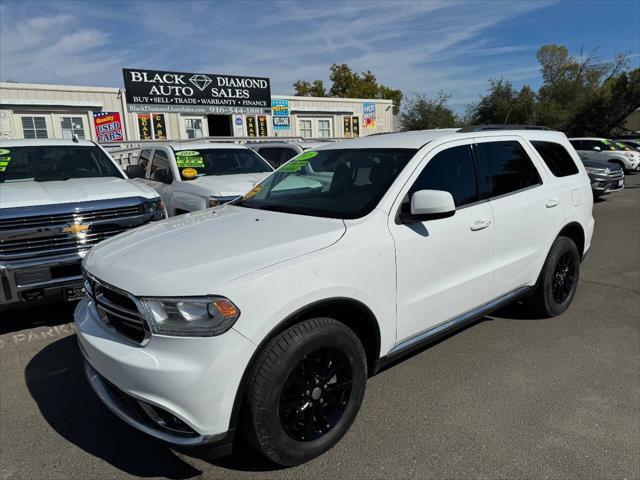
point(558, 280)
point(305, 391)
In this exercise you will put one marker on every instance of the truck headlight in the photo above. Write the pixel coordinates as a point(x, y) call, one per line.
point(190, 316)
point(597, 171)
point(156, 206)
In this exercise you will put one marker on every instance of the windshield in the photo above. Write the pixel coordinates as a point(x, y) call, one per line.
point(219, 161)
point(338, 183)
point(54, 162)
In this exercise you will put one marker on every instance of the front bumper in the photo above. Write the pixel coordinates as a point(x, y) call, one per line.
point(602, 184)
point(192, 379)
point(40, 278)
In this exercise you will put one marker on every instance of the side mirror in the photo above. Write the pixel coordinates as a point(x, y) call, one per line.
point(597, 149)
point(429, 205)
point(135, 171)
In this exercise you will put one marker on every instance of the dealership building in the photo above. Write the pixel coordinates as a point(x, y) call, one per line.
point(104, 115)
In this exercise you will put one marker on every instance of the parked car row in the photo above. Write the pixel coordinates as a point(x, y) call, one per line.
point(604, 150)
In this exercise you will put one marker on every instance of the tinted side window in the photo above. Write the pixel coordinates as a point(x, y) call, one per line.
point(453, 171)
point(160, 168)
point(144, 157)
point(276, 156)
point(505, 167)
point(589, 144)
point(557, 158)
point(577, 144)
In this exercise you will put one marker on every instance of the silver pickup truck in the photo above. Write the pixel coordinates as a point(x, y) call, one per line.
point(58, 198)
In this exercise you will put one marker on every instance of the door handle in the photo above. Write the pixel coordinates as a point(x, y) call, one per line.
point(552, 202)
point(479, 225)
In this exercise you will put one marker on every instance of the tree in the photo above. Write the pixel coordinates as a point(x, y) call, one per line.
point(504, 104)
point(348, 84)
point(423, 113)
point(306, 89)
point(579, 95)
point(575, 89)
point(605, 111)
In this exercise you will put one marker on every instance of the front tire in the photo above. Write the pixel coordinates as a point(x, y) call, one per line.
point(305, 390)
point(558, 280)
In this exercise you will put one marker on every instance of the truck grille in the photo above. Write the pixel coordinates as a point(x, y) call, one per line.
point(69, 218)
point(118, 310)
point(36, 232)
point(54, 244)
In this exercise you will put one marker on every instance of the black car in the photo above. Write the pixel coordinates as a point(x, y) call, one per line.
point(605, 177)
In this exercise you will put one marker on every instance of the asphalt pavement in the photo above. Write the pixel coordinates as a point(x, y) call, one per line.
point(512, 396)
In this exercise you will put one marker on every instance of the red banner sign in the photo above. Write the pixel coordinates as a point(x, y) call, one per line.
point(108, 127)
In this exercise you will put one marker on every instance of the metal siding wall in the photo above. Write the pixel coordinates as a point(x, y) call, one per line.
point(331, 108)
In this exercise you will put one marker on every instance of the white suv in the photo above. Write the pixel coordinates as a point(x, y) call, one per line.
point(607, 151)
point(268, 314)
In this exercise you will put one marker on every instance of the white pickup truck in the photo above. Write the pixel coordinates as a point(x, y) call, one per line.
point(196, 176)
point(58, 198)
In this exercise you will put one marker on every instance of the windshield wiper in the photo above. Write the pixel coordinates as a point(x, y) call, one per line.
point(51, 179)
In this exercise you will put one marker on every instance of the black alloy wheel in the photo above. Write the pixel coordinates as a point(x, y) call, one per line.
point(316, 394)
point(305, 390)
point(564, 277)
point(558, 280)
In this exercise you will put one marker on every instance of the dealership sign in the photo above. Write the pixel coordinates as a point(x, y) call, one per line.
point(158, 91)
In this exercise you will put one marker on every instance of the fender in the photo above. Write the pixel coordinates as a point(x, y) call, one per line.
point(314, 308)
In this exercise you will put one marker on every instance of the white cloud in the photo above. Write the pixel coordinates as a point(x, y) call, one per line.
point(415, 46)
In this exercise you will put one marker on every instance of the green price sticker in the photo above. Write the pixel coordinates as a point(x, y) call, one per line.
point(296, 163)
point(4, 151)
point(188, 153)
point(4, 161)
point(190, 162)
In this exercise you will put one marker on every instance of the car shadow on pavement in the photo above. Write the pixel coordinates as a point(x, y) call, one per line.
point(516, 311)
point(55, 378)
point(28, 317)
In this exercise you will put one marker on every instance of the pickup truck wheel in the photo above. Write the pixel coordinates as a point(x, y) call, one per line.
point(559, 278)
point(305, 390)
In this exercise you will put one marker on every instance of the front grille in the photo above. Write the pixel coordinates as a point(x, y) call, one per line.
point(117, 310)
point(27, 233)
point(55, 244)
point(616, 174)
point(63, 219)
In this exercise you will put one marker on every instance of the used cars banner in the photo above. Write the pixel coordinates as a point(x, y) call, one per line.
point(158, 91)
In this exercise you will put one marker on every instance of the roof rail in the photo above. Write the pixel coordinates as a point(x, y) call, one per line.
point(484, 128)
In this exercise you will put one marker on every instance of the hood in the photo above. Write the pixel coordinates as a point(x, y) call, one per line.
point(229, 185)
point(23, 194)
point(196, 253)
point(599, 164)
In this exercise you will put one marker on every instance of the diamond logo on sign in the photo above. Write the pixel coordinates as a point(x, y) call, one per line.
point(200, 81)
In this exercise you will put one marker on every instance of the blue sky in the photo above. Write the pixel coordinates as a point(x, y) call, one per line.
point(419, 47)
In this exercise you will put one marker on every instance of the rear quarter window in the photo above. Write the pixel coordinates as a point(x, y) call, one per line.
point(557, 158)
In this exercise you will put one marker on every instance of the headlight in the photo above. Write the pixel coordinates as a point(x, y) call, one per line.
point(215, 201)
point(156, 206)
point(190, 317)
point(597, 171)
